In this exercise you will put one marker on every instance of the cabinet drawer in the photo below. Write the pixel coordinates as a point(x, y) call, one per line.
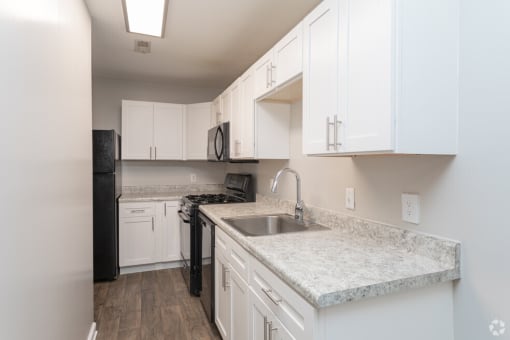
point(239, 260)
point(293, 311)
point(136, 209)
point(222, 242)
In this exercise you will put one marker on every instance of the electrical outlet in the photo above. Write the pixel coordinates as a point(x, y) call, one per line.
point(349, 198)
point(411, 208)
point(193, 178)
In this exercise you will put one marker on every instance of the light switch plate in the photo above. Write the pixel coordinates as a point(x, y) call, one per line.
point(411, 208)
point(349, 198)
point(193, 178)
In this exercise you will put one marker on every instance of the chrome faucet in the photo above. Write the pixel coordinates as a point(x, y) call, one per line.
point(299, 210)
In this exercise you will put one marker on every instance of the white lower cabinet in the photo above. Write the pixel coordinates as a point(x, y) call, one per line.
point(239, 302)
point(148, 233)
point(221, 296)
point(170, 240)
point(252, 303)
point(264, 325)
point(137, 241)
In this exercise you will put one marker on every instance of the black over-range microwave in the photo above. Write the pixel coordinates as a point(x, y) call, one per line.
point(218, 137)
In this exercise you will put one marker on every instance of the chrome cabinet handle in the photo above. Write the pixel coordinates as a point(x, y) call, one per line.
point(238, 144)
point(273, 68)
point(134, 211)
point(337, 134)
point(153, 224)
point(328, 125)
point(271, 329)
point(265, 327)
point(268, 69)
point(165, 209)
point(223, 276)
point(269, 294)
point(227, 284)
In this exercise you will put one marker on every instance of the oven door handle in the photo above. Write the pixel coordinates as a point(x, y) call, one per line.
point(183, 216)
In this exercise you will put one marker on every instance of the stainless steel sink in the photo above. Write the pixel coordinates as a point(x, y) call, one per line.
point(260, 225)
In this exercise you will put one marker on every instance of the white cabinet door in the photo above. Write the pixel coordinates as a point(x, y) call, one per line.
point(197, 125)
point(236, 121)
point(137, 241)
point(247, 146)
point(239, 307)
point(170, 240)
point(137, 130)
point(369, 118)
point(226, 105)
point(168, 127)
point(221, 295)
point(216, 111)
point(320, 78)
point(262, 73)
point(288, 56)
point(263, 323)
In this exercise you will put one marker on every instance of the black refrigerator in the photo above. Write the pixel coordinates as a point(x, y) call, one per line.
point(106, 191)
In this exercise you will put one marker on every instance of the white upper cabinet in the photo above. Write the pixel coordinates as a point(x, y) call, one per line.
point(216, 111)
point(168, 131)
point(288, 56)
point(197, 125)
point(226, 105)
point(280, 64)
point(247, 105)
point(164, 131)
point(152, 131)
point(236, 120)
point(395, 77)
point(320, 78)
point(137, 130)
point(262, 73)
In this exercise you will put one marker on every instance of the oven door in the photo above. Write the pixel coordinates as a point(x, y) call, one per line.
point(185, 240)
point(207, 293)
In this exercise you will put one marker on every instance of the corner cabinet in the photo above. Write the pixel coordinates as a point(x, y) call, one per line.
point(380, 76)
point(152, 131)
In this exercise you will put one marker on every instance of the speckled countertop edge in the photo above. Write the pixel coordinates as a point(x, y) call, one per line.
point(152, 193)
point(447, 268)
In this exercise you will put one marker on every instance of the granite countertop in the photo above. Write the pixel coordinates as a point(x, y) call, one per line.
point(151, 193)
point(353, 260)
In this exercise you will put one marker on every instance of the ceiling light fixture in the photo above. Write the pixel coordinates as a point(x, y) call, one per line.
point(145, 16)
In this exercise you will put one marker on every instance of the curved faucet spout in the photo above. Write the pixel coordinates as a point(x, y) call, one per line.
point(299, 210)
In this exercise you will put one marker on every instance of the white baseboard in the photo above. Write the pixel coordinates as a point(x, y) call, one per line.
point(150, 267)
point(92, 332)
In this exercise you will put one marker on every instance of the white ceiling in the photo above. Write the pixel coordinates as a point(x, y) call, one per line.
point(206, 43)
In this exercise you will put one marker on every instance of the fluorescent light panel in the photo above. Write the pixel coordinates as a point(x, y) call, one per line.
point(145, 16)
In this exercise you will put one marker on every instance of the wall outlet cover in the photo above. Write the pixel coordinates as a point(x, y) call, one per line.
point(193, 178)
point(411, 208)
point(349, 198)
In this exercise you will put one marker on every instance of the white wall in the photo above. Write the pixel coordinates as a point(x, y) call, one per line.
point(139, 173)
point(464, 197)
point(46, 197)
point(107, 95)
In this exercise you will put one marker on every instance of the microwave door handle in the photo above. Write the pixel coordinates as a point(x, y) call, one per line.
point(219, 133)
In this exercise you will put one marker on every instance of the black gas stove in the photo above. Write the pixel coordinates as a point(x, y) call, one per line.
point(238, 189)
point(212, 199)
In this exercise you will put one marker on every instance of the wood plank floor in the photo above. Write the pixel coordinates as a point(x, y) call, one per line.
point(150, 306)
